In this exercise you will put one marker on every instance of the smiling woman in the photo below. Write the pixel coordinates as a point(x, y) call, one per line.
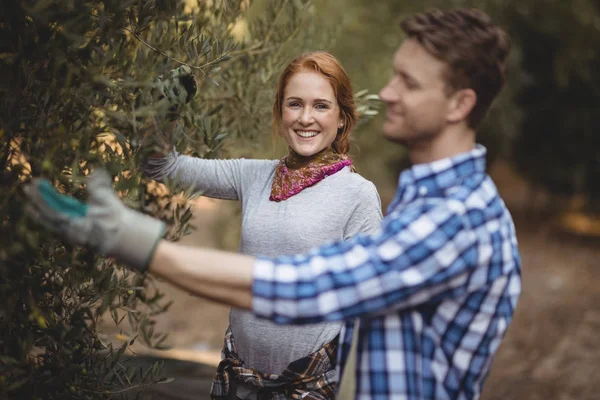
point(289, 206)
point(310, 116)
point(315, 82)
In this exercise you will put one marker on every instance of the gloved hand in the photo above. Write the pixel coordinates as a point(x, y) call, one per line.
point(177, 89)
point(105, 223)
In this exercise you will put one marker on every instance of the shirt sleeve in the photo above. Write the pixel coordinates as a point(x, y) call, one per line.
point(366, 216)
point(423, 253)
point(222, 179)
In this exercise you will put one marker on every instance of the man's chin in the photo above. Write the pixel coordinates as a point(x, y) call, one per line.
point(392, 134)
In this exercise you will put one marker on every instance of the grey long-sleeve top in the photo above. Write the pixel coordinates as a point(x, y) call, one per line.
point(336, 208)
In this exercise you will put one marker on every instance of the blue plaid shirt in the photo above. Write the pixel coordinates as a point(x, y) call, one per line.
point(435, 289)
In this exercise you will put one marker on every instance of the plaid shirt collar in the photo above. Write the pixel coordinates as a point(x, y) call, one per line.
point(433, 178)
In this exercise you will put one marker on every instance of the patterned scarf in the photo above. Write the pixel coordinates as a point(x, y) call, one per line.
point(294, 173)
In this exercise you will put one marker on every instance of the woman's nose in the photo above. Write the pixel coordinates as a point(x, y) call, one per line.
point(306, 117)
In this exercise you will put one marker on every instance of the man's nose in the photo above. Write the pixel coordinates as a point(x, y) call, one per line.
point(384, 94)
point(389, 93)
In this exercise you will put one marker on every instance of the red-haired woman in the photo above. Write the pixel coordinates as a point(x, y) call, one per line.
point(289, 206)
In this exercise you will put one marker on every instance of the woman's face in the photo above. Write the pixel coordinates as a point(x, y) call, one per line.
point(310, 113)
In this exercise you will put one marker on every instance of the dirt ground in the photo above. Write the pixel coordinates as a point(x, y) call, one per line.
point(552, 347)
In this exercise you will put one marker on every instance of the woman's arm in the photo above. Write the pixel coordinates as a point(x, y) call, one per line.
point(220, 179)
point(223, 179)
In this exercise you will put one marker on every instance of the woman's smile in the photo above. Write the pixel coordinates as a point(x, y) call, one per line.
point(306, 134)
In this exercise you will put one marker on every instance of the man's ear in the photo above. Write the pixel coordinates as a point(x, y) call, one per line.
point(462, 103)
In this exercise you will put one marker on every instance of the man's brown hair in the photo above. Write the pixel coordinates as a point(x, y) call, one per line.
point(474, 49)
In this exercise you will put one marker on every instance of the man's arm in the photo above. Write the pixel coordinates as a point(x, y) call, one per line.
point(426, 252)
point(217, 275)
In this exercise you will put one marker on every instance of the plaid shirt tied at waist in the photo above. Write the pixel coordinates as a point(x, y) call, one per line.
point(310, 377)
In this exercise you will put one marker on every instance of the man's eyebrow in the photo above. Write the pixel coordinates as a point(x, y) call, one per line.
point(406, 75)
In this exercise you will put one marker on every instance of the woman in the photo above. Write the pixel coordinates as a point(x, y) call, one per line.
point(289, 206)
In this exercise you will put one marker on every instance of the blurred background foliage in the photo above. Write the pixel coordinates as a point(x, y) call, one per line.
point(73, 73)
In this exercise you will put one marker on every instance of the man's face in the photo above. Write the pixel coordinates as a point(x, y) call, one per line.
point(416, 100)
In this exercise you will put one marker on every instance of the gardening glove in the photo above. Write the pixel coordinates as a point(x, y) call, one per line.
point(177, 89)
point(105, 223)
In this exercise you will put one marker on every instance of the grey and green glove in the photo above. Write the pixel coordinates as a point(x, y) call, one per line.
point(104, 223)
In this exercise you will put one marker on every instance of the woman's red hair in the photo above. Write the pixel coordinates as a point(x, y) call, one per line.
point(328, 66)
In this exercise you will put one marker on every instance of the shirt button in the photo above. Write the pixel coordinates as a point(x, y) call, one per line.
point(422, 190)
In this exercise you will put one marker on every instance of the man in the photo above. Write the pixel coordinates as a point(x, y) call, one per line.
point(435, 290)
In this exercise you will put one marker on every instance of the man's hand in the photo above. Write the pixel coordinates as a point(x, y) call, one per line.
point(105, 223)
point(114, 230)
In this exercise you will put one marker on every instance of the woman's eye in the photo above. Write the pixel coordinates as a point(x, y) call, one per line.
point(322, 106)
point(294, 104)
